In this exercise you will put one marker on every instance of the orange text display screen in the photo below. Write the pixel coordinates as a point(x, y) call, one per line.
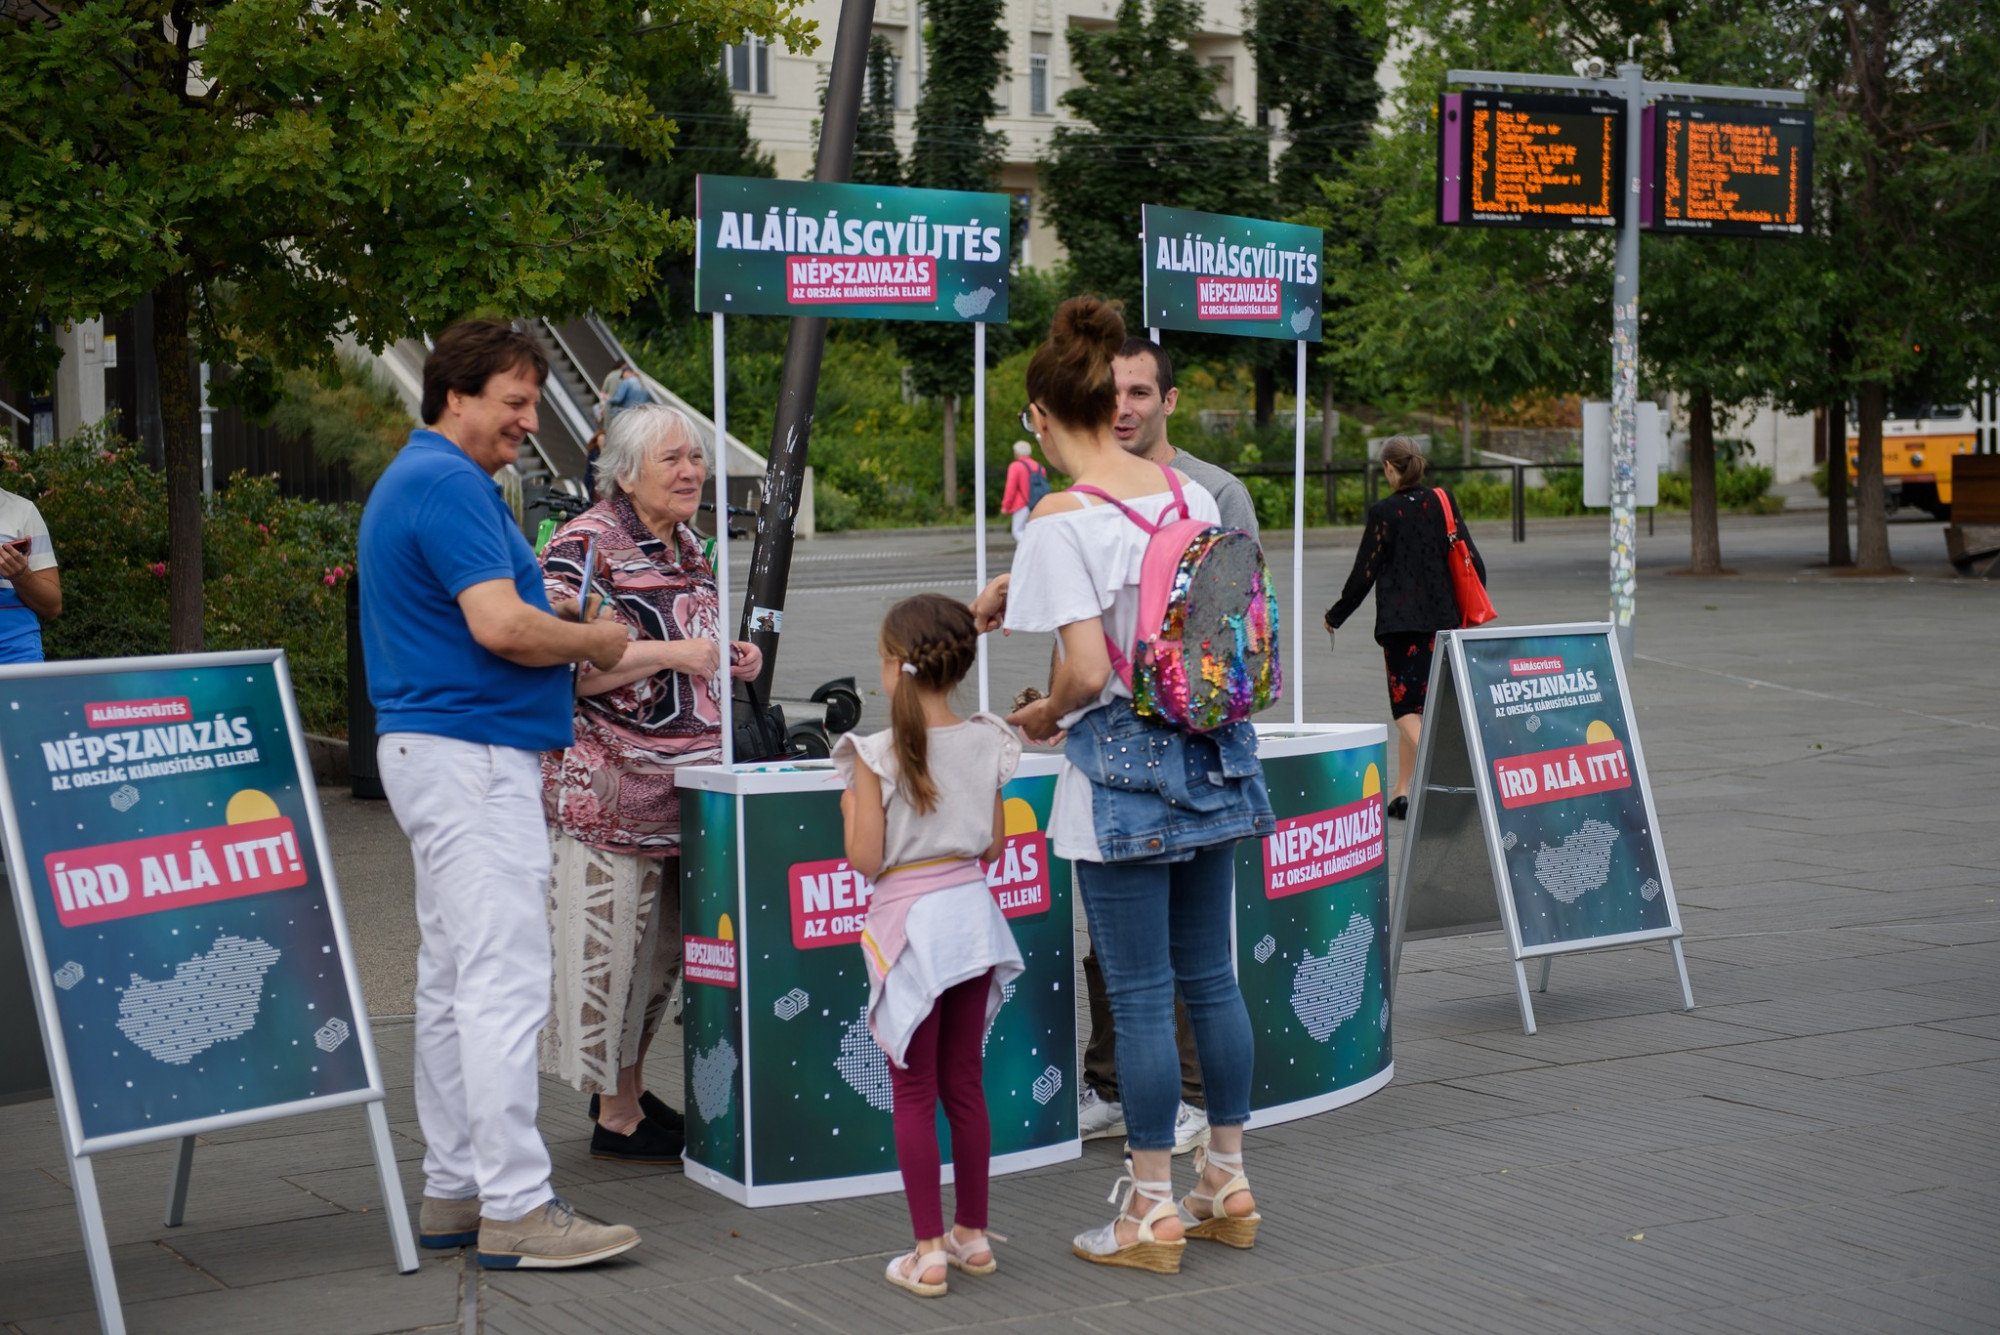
point(1543, 161)
point(1733, 170)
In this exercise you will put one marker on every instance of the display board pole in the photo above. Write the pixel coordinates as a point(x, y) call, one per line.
point(979, 490)
point(1625, 376)
point(1298, 682)
point(96, 1246)
point(177, 1183)
point(721, 415)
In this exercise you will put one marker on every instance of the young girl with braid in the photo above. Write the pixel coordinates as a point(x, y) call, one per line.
point(922, 806)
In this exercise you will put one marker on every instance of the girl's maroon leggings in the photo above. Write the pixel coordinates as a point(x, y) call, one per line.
point(945, 1065)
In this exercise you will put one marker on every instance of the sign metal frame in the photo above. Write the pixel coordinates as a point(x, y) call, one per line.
point(79, 1148)
point(1450, 685)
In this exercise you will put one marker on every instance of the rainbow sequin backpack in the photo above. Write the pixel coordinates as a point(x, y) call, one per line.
point(1206, 650)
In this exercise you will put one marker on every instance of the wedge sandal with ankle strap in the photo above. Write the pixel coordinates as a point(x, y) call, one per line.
point(961, 1253)
point(1160, 1255)
point(1213, 1222)
point(914, 1280)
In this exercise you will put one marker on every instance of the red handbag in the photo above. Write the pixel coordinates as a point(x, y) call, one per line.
point(1473, 604)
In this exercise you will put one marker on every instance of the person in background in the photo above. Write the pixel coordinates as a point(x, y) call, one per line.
point(922, 805)
point(591, 454)
point(629, 392)
point(30, 586)
point(1146, 399)
point(468, 671)
point(1022, 491)
point(1402, 557)
point(614, 897)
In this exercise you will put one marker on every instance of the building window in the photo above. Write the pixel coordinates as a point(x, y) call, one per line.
point(896, 84)
point(748, 65)
point(1224, 70)
point(1038, 74)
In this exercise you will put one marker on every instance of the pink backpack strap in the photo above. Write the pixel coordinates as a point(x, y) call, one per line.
point(1119, 663)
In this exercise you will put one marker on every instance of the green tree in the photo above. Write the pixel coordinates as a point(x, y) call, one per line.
point(270, 172)
point(876, 160)
point(1148, 130)
point(1908, 116)
point(955, 149)
point(711, 137)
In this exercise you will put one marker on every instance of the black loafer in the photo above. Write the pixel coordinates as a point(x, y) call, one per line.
point(1398, 808)
point(649, 1143)
point(656, 1109)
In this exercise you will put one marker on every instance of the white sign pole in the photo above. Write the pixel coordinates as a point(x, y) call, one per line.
point(722, 543)
point(979, 490)
point(1298, 674)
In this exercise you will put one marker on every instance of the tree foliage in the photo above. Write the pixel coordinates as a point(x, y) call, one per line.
point(876, 158)
point(271, 172)
point(1316, 62)
point(1147, 130)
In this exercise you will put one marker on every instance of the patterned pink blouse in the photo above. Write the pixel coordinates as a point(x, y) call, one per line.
point(614, 787)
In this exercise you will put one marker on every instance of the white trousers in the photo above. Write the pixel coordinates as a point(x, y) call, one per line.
point(1020, 520)
point(473, 814)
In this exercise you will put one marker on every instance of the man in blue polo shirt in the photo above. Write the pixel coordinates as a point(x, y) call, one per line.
point(467, 667)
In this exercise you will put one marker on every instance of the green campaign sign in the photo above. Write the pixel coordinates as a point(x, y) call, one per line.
point(1211, 273)
point(1556, 738)
point(859, 251)
point(167, 858)
point(789, 1095)
point(1312, 913)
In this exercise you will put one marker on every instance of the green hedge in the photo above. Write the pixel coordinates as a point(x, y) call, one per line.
point(274, 569)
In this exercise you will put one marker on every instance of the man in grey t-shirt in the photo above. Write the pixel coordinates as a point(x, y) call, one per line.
point(1146, 399)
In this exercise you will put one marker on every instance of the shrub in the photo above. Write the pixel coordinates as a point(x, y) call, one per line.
point(274, 569)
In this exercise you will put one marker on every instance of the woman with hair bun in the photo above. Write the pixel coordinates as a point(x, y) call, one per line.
point(1402, 556)
point(1147, 814)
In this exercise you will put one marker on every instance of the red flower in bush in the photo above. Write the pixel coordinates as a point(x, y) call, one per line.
point(159, 568)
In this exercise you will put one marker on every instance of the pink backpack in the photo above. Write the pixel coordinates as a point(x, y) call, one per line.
point(1206, 650)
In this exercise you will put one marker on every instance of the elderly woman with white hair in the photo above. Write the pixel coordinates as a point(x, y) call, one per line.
point(614, 897)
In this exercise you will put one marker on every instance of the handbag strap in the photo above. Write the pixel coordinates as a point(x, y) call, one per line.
point(1450, 520)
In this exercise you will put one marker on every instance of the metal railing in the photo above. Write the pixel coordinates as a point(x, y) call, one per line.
point(1368, 476)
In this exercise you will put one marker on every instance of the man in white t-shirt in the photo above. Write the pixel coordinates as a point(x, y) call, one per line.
point(30, 587)
point(1146, 399)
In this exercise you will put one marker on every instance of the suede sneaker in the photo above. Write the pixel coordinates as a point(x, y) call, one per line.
point(442, 1222)
point(553, 1237)
point(1097, 1117)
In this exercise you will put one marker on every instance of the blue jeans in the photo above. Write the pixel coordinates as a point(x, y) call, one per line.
point(1154, 924)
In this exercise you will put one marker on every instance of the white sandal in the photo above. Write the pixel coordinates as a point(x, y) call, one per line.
point(1217, 1224)
point(914, 1280)
point(960, 1254)
point(1146, 1252)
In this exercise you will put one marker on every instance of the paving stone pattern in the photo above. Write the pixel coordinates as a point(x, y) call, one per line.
point(1815, 1149)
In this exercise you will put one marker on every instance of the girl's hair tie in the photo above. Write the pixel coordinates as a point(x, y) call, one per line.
point(910, 668)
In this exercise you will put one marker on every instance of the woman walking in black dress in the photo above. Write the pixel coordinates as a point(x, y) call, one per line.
point(1402, 557)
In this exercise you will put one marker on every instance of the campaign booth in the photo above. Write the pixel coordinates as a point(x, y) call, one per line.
point(789, 1097)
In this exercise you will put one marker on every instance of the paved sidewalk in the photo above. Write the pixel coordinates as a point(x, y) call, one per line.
point(1815, 1148)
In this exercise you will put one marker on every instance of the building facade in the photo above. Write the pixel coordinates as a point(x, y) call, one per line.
point(781, 91)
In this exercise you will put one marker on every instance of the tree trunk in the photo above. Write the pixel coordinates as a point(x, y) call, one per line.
point(1264, 385)
point(180, 428)
point(951, 455)
point(1704, 534)
point(1329, 421)
point(1839, 553)
point(1464, 432)
point(1871, 512)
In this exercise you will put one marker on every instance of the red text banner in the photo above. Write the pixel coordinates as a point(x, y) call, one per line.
point(811, 281)
point(1567, 771)
point(830, 898)
point(125, 713)
point(1323, 847)
point(1238, 299)
point(173, 871)
point(709, 959)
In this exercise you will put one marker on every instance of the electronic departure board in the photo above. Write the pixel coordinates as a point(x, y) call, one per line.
point(1527, 160)
point(1728, 170)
